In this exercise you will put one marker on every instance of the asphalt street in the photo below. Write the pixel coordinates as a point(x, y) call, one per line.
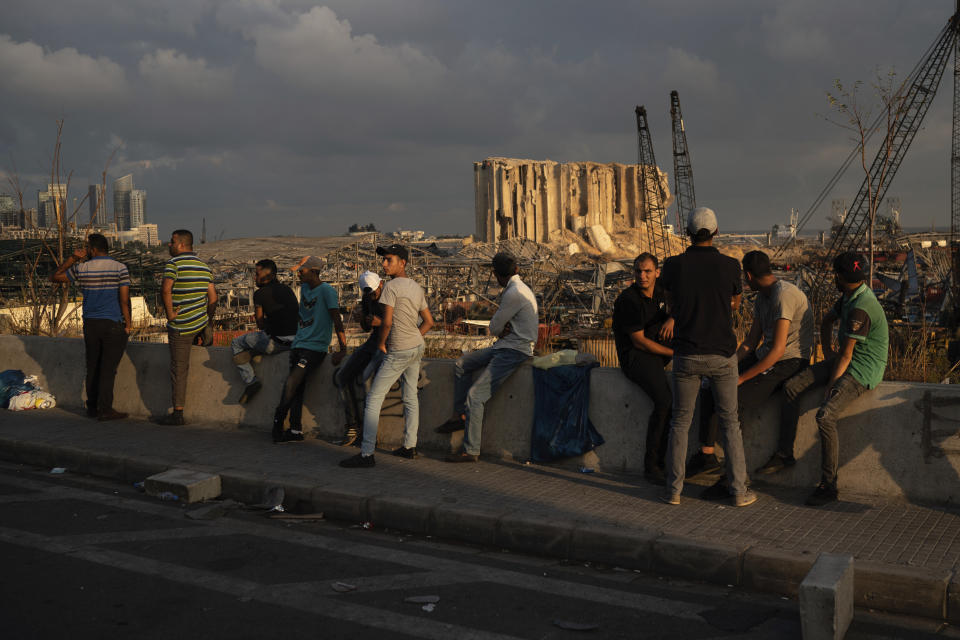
point(89, 558)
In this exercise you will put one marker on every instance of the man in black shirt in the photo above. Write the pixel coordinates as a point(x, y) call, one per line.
point(276, 309)
point(640, 319)
point(703, 287)
point(363, 362)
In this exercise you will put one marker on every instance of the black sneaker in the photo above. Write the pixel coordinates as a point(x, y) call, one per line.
point(288, 436)
point(717, 491)
point(825, 493)
point(172, 419)
point(702, 463)
point(404, 452)
point(452, 426)
point(358, 461)
point(655, 475)
point(777, 462)
point(250, 391)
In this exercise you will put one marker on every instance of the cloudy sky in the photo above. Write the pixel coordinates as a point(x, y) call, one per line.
point(293, 117)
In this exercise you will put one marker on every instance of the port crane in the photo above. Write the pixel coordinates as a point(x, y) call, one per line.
point(658, 236)
point(682, 169)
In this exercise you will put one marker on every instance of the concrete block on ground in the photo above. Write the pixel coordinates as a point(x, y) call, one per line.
point(920, 591)
point(826, 598)
point(394, 512)
point(189, 485)
point(697, 559)
point(617, 546)
point(533, 534)
point(775, 570)
point(466, 524)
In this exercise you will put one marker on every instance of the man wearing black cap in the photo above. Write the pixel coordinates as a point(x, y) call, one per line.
point(703, 287)
point(401, 339)
point(515, 324)
point(848, 373)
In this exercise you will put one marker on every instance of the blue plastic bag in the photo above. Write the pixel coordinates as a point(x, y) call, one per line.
point(561, 420)
point(11, 384)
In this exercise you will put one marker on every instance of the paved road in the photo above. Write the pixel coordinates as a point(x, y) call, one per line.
point(85, 558)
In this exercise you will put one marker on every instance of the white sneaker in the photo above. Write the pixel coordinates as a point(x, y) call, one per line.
point(744, 499)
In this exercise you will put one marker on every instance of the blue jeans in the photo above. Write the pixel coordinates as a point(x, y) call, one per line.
point(469, 394)
point(687, 374)
point(397, 364)
point(259, 342)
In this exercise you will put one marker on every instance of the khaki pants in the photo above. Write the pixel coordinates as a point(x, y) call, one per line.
point(180, 359)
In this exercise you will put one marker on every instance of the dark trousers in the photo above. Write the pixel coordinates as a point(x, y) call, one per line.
point(646, 371)
point(750, 395)
point(105, 341)
point(180, 359)
point(302, 362)
point(844, 391)
point(348, 379)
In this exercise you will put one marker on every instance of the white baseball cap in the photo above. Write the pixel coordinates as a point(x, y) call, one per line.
point(369, 280)
point(702, 218)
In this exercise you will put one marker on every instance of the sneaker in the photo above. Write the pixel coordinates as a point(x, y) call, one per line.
point(172, 419)
point(404, 452)
point(250, 391)
point(288, 436)
point(670, 497)
point(717, 491)
point(92, 412)
point(451, 426)
point(655, 475)
point(702, 463)
point(777, 462)
point(358, 460)
point(113, 414)
point(825, 493)
point(463, 456)
point(744, 499)
point(349, 437)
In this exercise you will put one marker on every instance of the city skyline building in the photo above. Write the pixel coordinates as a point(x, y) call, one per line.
point(48, 202)
point(121, 201)
point(138, 208)
point(98, 208)
point(9, 214)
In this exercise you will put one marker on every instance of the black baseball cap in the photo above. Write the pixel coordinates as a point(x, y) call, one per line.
point(394, 250)
point(851, 266)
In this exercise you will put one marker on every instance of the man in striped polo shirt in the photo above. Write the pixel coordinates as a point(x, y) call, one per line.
point(189, 299)
point(106, 318)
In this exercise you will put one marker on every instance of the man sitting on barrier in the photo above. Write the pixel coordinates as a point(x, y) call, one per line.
point(848, 373)
point(364, 360)
point(516, 325)
point(275, 311)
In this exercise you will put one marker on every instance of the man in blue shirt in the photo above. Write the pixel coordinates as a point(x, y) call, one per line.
point(106, 318)
point(319, 315)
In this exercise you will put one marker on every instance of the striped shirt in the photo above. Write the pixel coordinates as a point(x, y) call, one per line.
point(100, 279)
point(191, 278)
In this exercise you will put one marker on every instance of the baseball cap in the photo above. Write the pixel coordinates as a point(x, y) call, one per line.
point(369, 280)
point(310, 262)
point(851, 266)
point(394, 250)
point(503, 263)
point(702, 218)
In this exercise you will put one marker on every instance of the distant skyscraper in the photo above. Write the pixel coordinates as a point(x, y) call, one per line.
point(138, 208)
point(121, 201)
point(9, 214)
point(98, 208)
point(55, 197)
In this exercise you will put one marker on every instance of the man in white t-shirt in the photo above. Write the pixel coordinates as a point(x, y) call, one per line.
point(401, 339)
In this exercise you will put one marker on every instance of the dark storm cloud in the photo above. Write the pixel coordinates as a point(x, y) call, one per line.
point(299, 117)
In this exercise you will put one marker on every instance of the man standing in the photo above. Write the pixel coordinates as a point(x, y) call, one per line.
point(703, 287)
point(516, 325)
point(777, 347)
point(319, 315)
point(189, 300)
point(857, 367)
point(106, 318)
point(275, 310)
point(402, 341)
point(353, 373)
point(640, 319)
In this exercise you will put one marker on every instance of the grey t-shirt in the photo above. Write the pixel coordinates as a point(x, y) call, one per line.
point(785, 301)
point(407, 299)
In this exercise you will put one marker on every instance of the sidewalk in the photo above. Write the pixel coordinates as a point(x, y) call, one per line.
point(906, 555)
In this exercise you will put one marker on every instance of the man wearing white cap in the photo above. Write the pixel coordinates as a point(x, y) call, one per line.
point(350, 377)
point(703, 288)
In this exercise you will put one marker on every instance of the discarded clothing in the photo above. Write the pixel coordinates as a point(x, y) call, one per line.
point(35, 399)
point(561, 421)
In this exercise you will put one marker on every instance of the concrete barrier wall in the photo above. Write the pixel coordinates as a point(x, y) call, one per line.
point(901, 440)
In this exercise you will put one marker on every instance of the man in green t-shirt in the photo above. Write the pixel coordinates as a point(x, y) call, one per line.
point(856, 367)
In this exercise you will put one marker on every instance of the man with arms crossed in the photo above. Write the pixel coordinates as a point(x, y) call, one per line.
point(703, 287)
point(275, 309)
point(516, 325)
point(402, 342)
point(856, 368)
point(106, 318)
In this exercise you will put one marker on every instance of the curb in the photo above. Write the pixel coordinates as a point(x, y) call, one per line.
point(932, 593)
